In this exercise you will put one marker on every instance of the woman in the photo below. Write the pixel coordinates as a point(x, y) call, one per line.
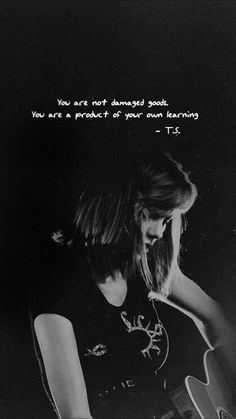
point(104, 338)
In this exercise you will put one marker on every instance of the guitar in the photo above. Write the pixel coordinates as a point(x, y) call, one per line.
point(205, 400)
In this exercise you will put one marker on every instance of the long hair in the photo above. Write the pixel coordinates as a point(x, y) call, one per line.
point(109, 219)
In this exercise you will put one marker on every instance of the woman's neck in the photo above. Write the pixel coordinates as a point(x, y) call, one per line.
point(114, 289)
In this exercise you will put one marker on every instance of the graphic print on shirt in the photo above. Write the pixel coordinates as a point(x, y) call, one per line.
point(98, 350)
point(158, 344)
point(152, 343)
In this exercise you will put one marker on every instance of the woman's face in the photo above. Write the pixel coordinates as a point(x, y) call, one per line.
point(153, 230)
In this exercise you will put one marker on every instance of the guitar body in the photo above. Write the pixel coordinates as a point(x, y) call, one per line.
point(210, 400)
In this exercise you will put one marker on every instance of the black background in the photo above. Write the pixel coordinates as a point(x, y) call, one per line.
point(183, 51)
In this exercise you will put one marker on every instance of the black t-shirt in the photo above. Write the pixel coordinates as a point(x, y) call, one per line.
point(126, 352)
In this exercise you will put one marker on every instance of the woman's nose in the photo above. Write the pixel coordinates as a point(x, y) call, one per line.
point(157, 230)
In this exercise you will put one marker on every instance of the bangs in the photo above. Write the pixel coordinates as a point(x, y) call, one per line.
point(160, 205)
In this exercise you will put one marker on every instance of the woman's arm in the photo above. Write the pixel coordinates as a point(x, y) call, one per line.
point(62, 364)
point(209, 318)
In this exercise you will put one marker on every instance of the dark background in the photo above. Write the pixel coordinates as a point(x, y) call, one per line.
point(183, 51)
